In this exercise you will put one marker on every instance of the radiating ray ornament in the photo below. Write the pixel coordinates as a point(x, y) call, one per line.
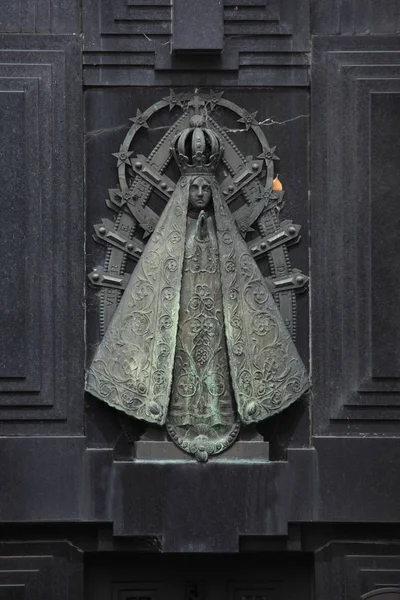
point(196, 338)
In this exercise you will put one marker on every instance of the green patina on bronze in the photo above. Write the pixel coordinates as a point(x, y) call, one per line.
point(197, 341)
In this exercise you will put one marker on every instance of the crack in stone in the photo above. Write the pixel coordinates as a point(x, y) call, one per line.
point(149, 39)
point(267, 123)
point(80, 550)
point(92, 134)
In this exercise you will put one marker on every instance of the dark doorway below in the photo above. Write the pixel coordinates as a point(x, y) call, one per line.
point(150, 576)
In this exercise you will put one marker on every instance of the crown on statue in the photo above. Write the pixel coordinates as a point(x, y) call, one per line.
point(197, 150)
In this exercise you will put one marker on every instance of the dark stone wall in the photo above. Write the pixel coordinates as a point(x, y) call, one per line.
point(327, 74)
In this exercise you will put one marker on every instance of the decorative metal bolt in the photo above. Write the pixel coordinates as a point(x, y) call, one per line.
point(292, 230)
point(299, 279)
point(154, 408)
point(138, 165)
point(95, 276)
point(251, 408)
point(263, 245)
point(102, 230)
point(254, 166)
point(163, 185)
point(230, 188)
point(130, 247)
point(254, 249)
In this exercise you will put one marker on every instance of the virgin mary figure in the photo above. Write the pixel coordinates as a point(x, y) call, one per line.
point(197, 342)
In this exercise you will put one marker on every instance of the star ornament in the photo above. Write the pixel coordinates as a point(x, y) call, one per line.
point(140, 120)
point(174, 99)
point(268, 154)
point(125, 196)
point(123, 156)
point(213, 99)
point(248, 119)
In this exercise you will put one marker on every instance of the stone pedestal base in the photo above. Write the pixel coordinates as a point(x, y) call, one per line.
point(155, 444)
point(166, 450)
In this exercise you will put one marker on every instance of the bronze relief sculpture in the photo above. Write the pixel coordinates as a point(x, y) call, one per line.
point(197, 341)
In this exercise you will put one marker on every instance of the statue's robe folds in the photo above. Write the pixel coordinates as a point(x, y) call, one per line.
point(202, 411)
point(197, 340)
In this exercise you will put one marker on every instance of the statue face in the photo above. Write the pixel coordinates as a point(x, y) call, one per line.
point(200, 192)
